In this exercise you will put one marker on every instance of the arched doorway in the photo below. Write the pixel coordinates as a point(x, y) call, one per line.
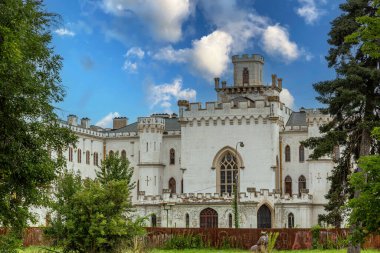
point(264, 217)
point(208, 218)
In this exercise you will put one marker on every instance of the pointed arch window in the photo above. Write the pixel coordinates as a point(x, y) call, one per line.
point(123, 154)
point(96, 158)
point(228, 168)
point(288, 185)
point(172, 185)
point(87, 157)
point(138, 188)
point(245, 76)
point(301, 152)
point(291, 220)
point(301, 184)
point(208, 218)
point(182, 186)
point(153, 221)
point(187, 218)
point(111, 153)
point(172, 156)
point(287, 153)
point(79, 155)
point(70, 154)
point(230, 220)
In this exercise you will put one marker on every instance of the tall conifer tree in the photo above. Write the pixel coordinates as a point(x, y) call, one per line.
point(352, 99)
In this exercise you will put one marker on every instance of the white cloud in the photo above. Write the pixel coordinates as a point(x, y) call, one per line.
point(309, 11)
point(164, 94)
point(107, 120)
point(64, 32)
point(276, 42)
point(130, 66)
point(135, 51)
point(287, 98)
point(208, 56)
point(164, 18)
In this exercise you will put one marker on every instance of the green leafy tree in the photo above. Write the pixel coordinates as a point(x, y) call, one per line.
point(352, 100)
point(115, 168)
point(95, 215)
point(29, 127)
point(365, 208)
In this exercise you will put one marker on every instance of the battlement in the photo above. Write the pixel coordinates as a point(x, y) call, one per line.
point(248, 57)
point(151, 121)
point(250, 196)
point(316, 116)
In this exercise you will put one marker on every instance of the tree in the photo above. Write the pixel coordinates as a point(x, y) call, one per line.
point(95, 215)
point(365, 208)
point(29, 126)
point(352, 101)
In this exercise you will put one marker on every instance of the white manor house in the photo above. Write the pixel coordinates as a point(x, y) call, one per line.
point(185, 166)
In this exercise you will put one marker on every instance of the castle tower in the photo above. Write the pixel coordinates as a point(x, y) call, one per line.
point(248, 70)
point(150, 166)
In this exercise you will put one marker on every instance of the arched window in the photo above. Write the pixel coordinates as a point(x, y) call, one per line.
point(153, 220)
point(230, 220)
point(79, 155)
point(70, 154)
point(172, 156)
point(111, 153)
point(172, 185)
point(96, 157)
point(137, 188)
point(287, 153)
point(208, 218)
point(301, 152)
point(301, 184)
point(228, 173)
point(187, 218)
point(290, 220)
point(87, 157)
point(245, 76)
point(264, 217)
point(288, 185)
point(182, 186)
point(123, 154)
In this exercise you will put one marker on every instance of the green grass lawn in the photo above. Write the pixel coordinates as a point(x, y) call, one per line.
point(40, 250)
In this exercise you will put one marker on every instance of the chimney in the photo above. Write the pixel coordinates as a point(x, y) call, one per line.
point(279, 83)
point(85, 122)
point(274, 79)
point(72, 120)
point(224, 84)
point(216, 79)
point(119, 122)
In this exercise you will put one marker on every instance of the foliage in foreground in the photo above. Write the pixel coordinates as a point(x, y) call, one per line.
point(94, 215)
point(29, 126)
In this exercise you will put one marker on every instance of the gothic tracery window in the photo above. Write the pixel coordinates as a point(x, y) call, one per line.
point(245, 76)
point(172, 156)
point(228, 173)
point(287, 153)
point(208, 218)
point(301, 184)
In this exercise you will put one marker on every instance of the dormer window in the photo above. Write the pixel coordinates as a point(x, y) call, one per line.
point(245, 76)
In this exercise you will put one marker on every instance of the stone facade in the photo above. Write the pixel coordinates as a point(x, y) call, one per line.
point(188, 163)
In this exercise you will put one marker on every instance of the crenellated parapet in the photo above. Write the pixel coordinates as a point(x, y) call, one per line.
point(211, 198)
point(248, 57)
point(316, 117)
point(151, 124)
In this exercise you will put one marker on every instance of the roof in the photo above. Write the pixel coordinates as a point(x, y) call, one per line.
point(297, 119)
point(171, 124)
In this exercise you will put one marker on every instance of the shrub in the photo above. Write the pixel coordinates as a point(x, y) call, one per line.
point(184, 242)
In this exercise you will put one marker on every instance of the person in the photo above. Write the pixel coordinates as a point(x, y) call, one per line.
point(261, 244)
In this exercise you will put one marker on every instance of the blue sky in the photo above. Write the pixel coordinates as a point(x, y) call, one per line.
point(137, 57)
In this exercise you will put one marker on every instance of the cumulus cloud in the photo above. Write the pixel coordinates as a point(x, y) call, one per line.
point(163, 18)
point(208, 56)
point(107, 120)
point(309, 11)
point(287, 98)
point(164, 94)
point(135, 51)
point(64, 32)
point(276, 42)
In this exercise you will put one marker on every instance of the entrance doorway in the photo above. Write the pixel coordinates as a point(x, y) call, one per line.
point(264, 217)
point(208, 218)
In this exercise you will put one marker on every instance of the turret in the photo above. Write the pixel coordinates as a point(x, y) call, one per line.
point(248, 70)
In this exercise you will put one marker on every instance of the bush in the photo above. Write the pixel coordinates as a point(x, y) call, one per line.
point(185, 242)
point(315, 231)
point(9, 243)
